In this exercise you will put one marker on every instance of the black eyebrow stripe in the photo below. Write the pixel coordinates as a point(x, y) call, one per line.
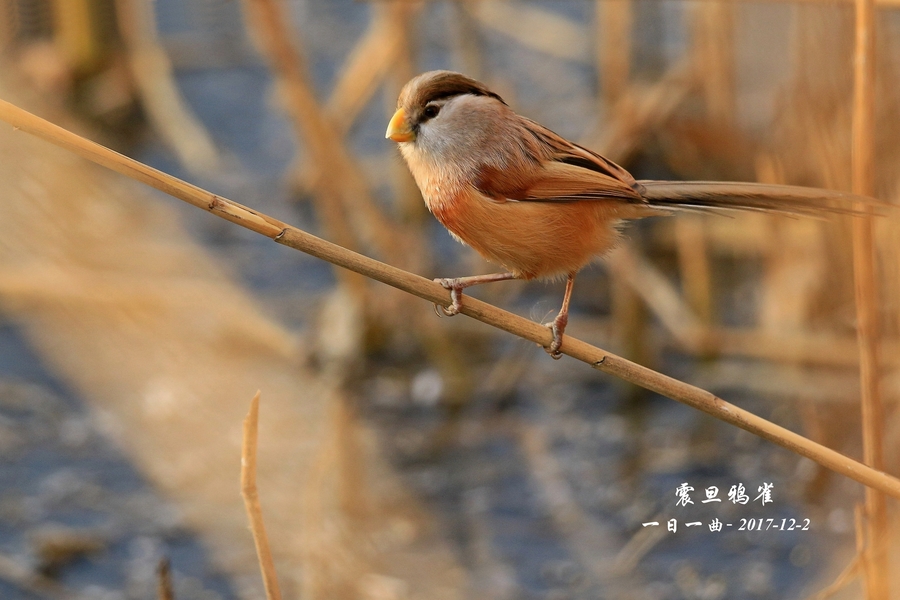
point(461, 91)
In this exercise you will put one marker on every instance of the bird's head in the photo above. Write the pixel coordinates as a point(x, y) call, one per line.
point(441, 108)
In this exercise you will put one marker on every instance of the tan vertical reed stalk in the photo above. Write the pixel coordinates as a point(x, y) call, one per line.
point(164, 588)
point(75, 33)
point(613, 20)
point(694, 265)
point(713, 49)
point(875, 570)
point(8, 23)
point(713, 57)
point(251, 501)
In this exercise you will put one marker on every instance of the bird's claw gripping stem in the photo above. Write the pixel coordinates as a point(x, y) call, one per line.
point(455, 287)
point(558, 327)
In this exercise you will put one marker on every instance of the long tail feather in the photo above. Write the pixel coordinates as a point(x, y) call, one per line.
point(786, 199)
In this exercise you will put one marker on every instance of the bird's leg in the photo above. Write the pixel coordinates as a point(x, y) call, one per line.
point(558, 327)
point(457, 285)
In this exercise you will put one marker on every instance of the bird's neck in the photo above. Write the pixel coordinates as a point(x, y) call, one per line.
point(440, 181)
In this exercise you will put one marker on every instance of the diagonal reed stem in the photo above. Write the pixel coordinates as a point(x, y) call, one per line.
point(429, 290)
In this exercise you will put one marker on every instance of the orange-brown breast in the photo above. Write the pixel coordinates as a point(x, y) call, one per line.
point(533, 239)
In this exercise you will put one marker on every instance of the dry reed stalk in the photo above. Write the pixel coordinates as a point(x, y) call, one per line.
point(352, 496)
point(613, 20)
point(640, 544)
point(856, 564)
point(815, 349)
point(492, 577)
point(287, 67)
point(316, 543)
point(859, 526)
point(629, 317)
point(712, 40)
point(712, 53)
point(707, 149)
point(887, 4)
point(336, 557)
point(876, 571)
point(164, 590)
point(694, 266)
point(363, 71)
point(251, 501)
point(794, 255)
point(75, 33)
point(659, 295)
point(160, 98)
point(846, 576)
point(642, 109)
point(750, 239)
point(878, 3)
point(586, 537)
point(790, 383)
point(382, 54)
point(638, 110)
point(433, 292)
point(51, 217)
point(400, 21)
point(8, 23)
point(348, 199)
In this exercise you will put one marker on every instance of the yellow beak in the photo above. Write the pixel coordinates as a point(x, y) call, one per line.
point(399, 129)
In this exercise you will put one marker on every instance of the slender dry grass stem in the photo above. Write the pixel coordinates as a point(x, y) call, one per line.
point(876, 569)
point(433, 292)
point(251, 501)
point(164, 589)
point(152, 73)
point(857, 563)
point(846, 576)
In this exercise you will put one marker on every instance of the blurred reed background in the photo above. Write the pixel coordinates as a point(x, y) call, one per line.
point(402, 455)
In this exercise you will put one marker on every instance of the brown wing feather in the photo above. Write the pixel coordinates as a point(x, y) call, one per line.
point(561, 181)
point(558, 171)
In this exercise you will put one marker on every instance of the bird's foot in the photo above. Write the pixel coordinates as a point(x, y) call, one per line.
point(558, 327)
point(455, 286)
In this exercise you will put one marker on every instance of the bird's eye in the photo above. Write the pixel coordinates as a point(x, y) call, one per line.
point(431, 111)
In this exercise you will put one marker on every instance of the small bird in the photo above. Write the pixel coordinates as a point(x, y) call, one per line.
point(535, 203)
